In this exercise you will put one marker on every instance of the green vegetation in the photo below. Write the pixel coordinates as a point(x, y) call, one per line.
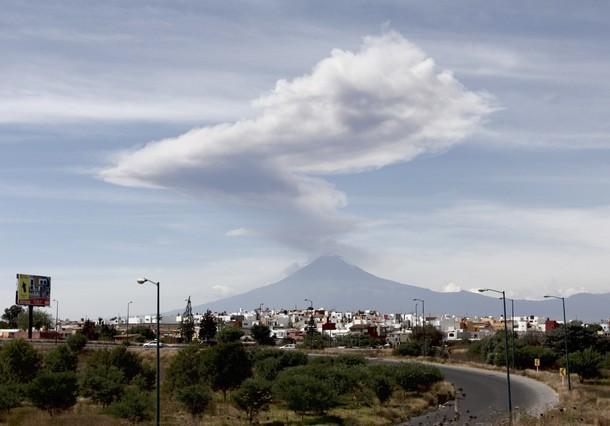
point(61, 359)
point(11, 314)
point(253, 396)
point(53, 392)
point(76, 342)
point(40, 320)
point(229, 334)
point(135, 406)
point(587, 349)
point(262, 335)
point(207, 326)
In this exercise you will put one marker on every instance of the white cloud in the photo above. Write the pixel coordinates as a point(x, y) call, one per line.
point(355, 111)
point(452, 288)
point(242, 232)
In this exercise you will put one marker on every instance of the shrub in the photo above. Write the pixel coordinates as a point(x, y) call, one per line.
point(195, 398)
point(76, 342)
point(586, 364)
point(10, 397)
point(103, 383)
point(382, 381)
point(408, 349)
point(253, 396)
point(61, 359)
point(229, 334)
point(414, 376)
point(54, 392)
point(20, 361)
point(303, 393)
point(135, 406)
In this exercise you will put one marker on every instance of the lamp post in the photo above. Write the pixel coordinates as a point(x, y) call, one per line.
point(416, 315)
point(158, 414)
point(565, 329)
point(510, 400)
point(423, 320)
point(512, 330)
point(311, 323)
point(127, 328)
point(56, 317)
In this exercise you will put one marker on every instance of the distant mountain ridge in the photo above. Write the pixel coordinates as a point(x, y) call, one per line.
point(332, 283)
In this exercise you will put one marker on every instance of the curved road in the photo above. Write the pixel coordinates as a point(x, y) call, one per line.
point(481, 397)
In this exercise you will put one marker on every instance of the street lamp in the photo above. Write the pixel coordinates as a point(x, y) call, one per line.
point(56, 317)
point(510, 400)
point(310, 329)
point(423, 315)
point(158, 414)
point(127, 328)
point(512, 331)
point(565, 329)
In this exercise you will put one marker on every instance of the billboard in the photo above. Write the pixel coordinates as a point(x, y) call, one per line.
point(33, 290)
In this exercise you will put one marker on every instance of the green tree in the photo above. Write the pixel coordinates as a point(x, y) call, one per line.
point(313, 341)
point(189, 367)
point(76, 342)
point(20, 361)
point(61, 359)
point(11, 314)
point(194, 398)
point(90, 330)
point(107, 332)
point(262, 335)
point(229, 334)
point(579, 337)
point(135, 406)
point(207, 326)
point(303, 393)
point(144, 333)
point(187, 330)
point(412, 376)
point(586, 364)
point(229, 365)
point(40, 320)
point(103, 383)
point(10, 397)
point(253, 396)
point(53, 392)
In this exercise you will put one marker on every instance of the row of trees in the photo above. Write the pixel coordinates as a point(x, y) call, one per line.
point(117, 379)
point(256, 378)
point(589, 350)
point(17, 317)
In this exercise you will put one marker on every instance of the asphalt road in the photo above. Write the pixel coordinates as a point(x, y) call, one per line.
point(482, 398)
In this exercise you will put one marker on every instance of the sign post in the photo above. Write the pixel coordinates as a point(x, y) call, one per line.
point(562, 373)
point(537, 363)
point(33, 290)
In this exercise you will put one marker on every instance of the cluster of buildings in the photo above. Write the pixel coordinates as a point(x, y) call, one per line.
point(292, 324)
point(394, 328)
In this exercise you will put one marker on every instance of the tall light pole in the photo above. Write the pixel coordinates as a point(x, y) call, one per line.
point(127, 329)
point(416, 315)
point(512, 330)
point(423, 316)
point(510, 399)
point(565, 338)
point(158, 414)
point(56, 317)
point(311, 323)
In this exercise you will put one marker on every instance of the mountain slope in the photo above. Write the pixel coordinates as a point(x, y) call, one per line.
point(332, 283)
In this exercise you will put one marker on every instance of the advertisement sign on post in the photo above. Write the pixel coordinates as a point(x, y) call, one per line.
point(33, 290)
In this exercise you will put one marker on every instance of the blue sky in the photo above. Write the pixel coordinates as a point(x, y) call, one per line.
point(153, 138)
